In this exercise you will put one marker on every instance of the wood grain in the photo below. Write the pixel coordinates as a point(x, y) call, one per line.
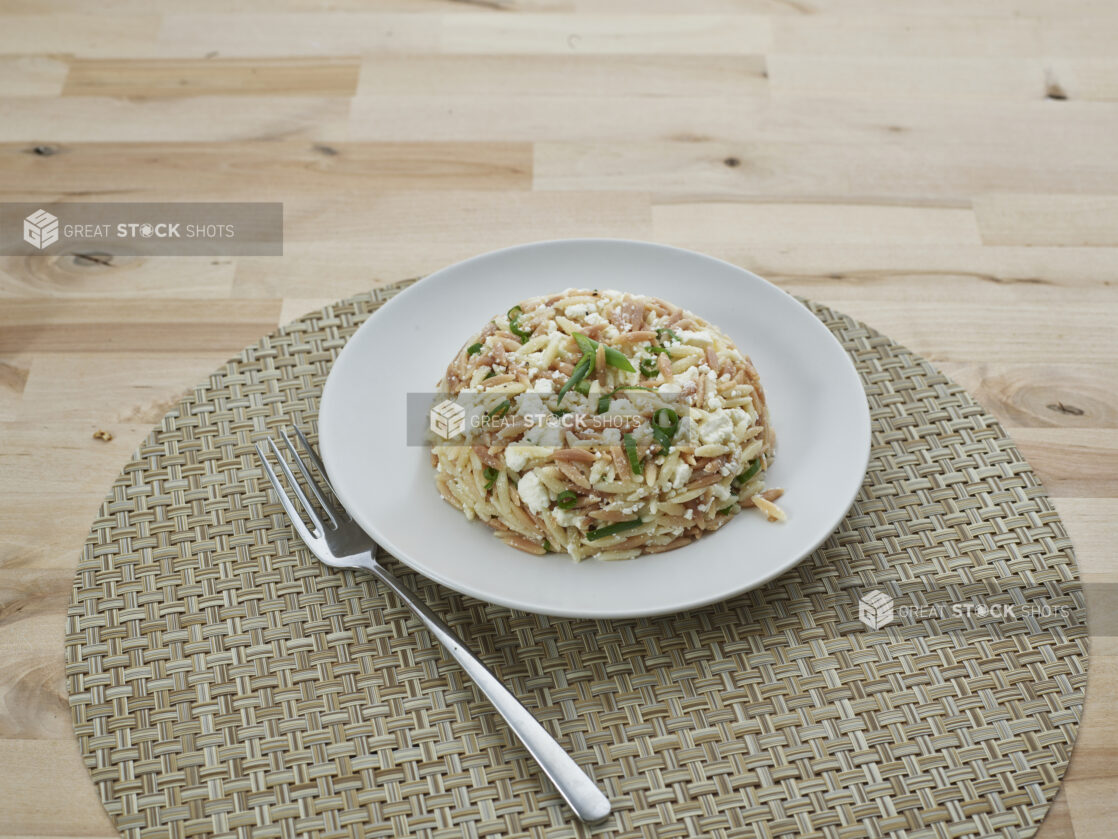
point(230, 76)
point(944, 171)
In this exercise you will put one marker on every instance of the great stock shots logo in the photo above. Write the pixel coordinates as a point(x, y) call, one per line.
point(40, 229)
point(448, 419)
point(108, 229)
point(875, 609)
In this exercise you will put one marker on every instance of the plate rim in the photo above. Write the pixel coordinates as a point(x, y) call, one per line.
point(386, 544)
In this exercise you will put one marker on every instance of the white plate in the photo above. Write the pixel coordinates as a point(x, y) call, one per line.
point(817, 405)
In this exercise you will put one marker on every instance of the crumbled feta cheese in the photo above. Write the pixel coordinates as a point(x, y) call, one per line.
point(670, 388)
point(594, 319)
point(611, 435)
point(533, 493)
point(547, 433)
point(544, 386)
point(689, 514)
point(702, 338)
point(517, 456)
point(681, 475)
point(578, 310)
point(621, 407)
point(716, 428)
point(714, 402)
point(531, 405)
point(568, 518)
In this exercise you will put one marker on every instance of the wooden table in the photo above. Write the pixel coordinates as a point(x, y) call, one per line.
point(944, 170)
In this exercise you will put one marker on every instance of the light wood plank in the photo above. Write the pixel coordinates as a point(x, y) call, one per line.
point(30, 769)
point(1075, 127)
point(594, 75)
point(1043, 395)
point(262, 172)
point(1094, 79)
point(203, 118)
point(32, 75)
point(1081, 462)
point(500, 218)
point(1072, 220)
point(772, 223)
point(895, 35)
point(210, 77)
point(1002, 79)
point(912, 169)
point(109, 275)
point(239, 35)
point(600, 33)
point(107, 325)
point(80, 34)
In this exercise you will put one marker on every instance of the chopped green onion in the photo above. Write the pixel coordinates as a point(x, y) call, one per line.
point(631, 450)
point(603, 403)
point(473, 349)
point(490, 374)
point(665, 424)
point(652, 349)
point(577, 375)
point(649, 368)
point(753, 469)
point(661, 332)
point(514, 327)
point(611, 529)
point(587, 346)
point(560, 412)
point(583, 387)
point(490, 476)
point(547, 546)
point(501, 409)
point(725, 511)
point(566, 499)
point(614, 358)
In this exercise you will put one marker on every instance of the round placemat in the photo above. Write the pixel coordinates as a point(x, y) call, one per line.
point(224, 683)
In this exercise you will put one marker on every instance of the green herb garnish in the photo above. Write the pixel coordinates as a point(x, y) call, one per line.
point(473, 349)
point(514, 326)
point(753, 469)
point(650, 369)
point(611, 529)
point(631, 450)
point(614, 357)
point(662, 331)
point(665, 424)
point(501, 409)
point(725, 511)
point(566, 499)
point(547, 547)
point(603, 403)
point(577, 375)
point(490, 477)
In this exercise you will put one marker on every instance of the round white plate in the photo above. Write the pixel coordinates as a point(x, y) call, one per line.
point(817, 406)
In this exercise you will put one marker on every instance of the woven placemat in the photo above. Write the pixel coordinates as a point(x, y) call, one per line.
point(224, 683)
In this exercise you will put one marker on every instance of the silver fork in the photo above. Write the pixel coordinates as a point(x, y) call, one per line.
point(339, 542)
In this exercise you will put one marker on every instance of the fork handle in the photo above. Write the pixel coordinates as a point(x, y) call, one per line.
point(587, 801)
